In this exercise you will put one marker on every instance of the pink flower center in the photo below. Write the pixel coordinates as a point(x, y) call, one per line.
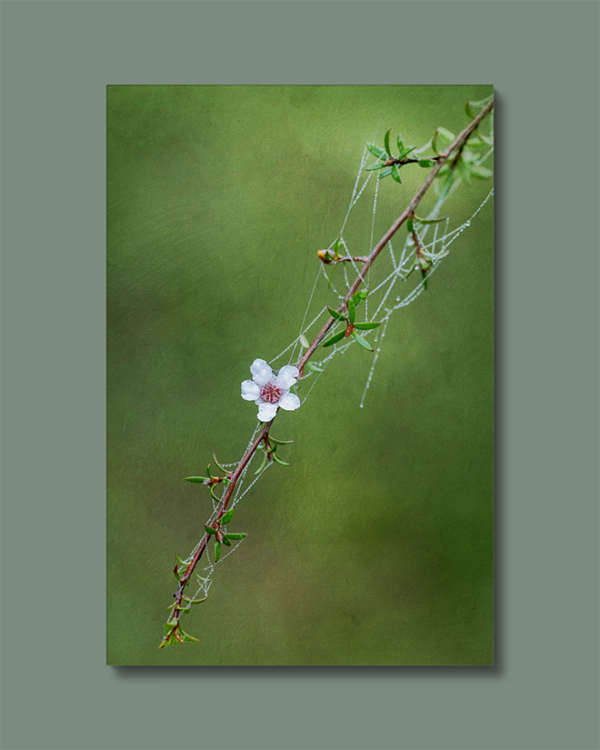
point(270, 393)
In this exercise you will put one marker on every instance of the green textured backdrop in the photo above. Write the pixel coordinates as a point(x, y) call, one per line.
point(376, 546)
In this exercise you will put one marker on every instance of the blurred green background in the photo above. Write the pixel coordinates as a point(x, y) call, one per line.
point(376, 545)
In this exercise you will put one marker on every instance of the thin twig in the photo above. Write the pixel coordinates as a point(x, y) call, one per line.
point(367, 263)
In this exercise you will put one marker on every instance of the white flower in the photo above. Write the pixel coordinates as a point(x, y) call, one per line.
point(269, 391)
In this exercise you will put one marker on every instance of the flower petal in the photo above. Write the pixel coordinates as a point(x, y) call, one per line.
point(289, 402)
point(261, 372)
point(287, 377)
point(266, 411)
point(250, 391)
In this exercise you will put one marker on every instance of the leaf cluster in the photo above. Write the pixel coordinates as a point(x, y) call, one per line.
point(351, 325)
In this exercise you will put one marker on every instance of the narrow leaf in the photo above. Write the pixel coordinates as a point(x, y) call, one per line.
point(360, 297)
point(334, 339)
point(187, 637)
point(464, 172)
point(429, 221)
point(409, 225)
point(210, 530)
point(366, 326)
point(313, 368)
point(400, 144)
point(406, 151)
point(219, 465)
point(335, 314)
point(217, 550)
point(482, 173)
point(375, 150)
point(236, 536)
point(304, 341)
point(385, 173)
point(195, 601)
point(279, 461)
point(196, 479)
point(396, 174)
point(226, 517)
point(226, 541)
point(445, 135)
point(280, 442)
point(379, 165)
point(351, 311)
point(426, 162)
point(386, 143)
point(262, 466)
point(362, 342)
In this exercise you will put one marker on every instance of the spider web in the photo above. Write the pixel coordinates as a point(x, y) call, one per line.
point(393, 283)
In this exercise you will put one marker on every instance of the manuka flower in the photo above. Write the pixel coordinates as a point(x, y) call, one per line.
point(269, 391)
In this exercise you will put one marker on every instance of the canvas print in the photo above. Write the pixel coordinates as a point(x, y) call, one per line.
point(300, 375)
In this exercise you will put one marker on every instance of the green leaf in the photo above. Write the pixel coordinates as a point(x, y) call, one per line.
point(481, 173)
point(351, 311)
point(469, 111)
point(195, 601)
point(226, 541)
point(360, 297)
point(304, 341)
point(187, 637)
point(464, 172)
point(380, 165)
point(396, 174)
point(172, 606)
point(262, 466)
point(226, 517)
point(385, 173)
point(366, 326)
point(409, 225)
point(335, 314)
point(406, 151)
point(236, 536)
point(426, 162)
point(314, 368)
point(434, 143)
point(400, 144)
point(386, 143)
point(429, 221)
point(210, 530)
point(376, 151)
point(211, 489)
point(217, 550)
point(334, 339)
point(362, 342)
point(219, 465)
point(424, 275)
point(279, 461)
point(445, 135)
point(280, 442)
point(199, 577)
point(475, 143)
point(196, 479)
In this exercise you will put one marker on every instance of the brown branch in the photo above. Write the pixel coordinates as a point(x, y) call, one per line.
point(264, 433)
point(461, 138)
